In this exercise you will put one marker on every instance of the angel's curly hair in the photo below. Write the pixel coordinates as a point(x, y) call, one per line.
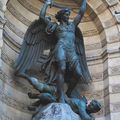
point(60, 13)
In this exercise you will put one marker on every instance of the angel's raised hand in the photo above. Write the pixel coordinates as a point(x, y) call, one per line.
point(49, 2)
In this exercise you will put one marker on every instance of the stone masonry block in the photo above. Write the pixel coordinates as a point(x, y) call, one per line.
point(112, 2)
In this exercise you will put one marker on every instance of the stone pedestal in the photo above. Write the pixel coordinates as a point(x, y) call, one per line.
point(56, 111)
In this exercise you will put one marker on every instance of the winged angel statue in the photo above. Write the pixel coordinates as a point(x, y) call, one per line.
point(66, 61)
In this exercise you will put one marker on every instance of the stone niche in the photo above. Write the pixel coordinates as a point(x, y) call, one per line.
point(13, 91)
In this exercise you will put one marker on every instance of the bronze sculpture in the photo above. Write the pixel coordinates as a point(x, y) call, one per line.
point(79, 105)
point(66, 60)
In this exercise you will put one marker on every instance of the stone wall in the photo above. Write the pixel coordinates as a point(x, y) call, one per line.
point(101, 30)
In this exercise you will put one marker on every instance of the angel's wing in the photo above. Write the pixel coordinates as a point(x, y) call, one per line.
point(35, 42)
point(82, 57)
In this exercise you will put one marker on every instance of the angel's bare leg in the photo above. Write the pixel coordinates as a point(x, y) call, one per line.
point(71, 86)
point(60, 81)
point(78, 77)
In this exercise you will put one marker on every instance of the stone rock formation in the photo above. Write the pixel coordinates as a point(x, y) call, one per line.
point(56, 111)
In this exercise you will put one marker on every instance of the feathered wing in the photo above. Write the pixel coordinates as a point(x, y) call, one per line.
point(35, 42)
point(82, 57)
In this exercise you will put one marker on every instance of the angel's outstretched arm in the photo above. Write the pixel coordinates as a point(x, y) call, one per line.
point(80, 13)
point(44, 9)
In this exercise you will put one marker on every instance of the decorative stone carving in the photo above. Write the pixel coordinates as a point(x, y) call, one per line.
point(56, 111)
point(112, 2)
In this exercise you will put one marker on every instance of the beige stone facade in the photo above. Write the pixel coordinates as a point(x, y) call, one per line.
point(101, 30)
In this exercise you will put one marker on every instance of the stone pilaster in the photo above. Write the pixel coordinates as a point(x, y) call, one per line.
point(112, 67)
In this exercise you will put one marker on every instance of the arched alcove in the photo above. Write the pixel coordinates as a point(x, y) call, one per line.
point(96, 25)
